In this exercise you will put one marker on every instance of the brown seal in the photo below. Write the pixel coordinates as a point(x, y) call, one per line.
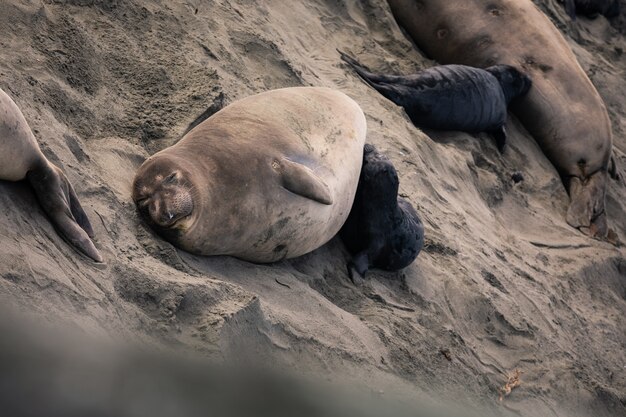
point(21, 158)
point(563, 111)
point(269, 177)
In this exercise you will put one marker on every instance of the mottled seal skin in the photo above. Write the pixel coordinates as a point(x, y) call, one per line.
point(453, 97)
point(269, 177)
point(562, 111)
point(592, 8)
point(21, 158)
point(383, 230)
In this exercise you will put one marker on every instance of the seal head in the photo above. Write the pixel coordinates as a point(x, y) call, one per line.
point(164, 193)
point(514, 83)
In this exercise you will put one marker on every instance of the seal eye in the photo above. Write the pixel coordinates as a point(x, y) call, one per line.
point(142, 202)
point(170, 178)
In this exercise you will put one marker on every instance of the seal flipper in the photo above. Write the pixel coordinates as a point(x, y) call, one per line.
point(500, 136)
point(570, 8)
point(53, 192)
point(613, 170)
point(358, 267)
point(367, 75)
point(586, 211)
point(75, 235)
point(301, 180)
point(77, 210)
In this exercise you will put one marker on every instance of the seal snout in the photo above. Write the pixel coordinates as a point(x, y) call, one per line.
point(168, 207)
point(165, 199)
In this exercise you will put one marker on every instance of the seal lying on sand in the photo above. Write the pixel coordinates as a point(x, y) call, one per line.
point(453, 97)
point(563, 111)
point(592, 8)
point(269, 177)
point(382, 230)
point(21, 158)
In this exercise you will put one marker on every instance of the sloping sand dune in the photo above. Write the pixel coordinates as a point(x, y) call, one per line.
point(502, 284)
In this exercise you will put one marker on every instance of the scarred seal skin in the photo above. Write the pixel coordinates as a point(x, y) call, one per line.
point(383, 230)
point(453, 97)
point(269, 177)
point(21, 158)
point(562, 111)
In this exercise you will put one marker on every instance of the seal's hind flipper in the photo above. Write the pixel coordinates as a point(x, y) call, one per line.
point(75, 235)
point(53, 192)
point(78, 212)
point(301, 180)
point(570, 8)
point(368, 76)
point(397, 93)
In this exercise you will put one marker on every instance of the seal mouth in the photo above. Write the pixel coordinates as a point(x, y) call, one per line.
point(170, 221)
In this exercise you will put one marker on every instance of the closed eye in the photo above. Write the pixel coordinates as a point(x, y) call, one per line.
point(142, 202)
point(170, 178)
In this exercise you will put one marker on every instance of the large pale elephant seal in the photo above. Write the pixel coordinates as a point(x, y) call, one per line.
point(21, 158)
point(269, 177)
point(453, 97)
point(563, 111)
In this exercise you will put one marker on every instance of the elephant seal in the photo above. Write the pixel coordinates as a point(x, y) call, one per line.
point(269, 177)
point(563, 111)
point(453, 97)
point(382, 230)
point(21, 158)
point(592, 8)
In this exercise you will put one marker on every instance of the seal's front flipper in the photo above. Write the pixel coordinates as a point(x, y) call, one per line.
point(53, 192)
point(358, 267)
point(570, 8)
point(587, 207)
point(614, 171)
point(500, 136)
point(301, 180)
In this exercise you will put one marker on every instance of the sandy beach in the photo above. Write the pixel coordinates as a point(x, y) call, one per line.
point(503, 282)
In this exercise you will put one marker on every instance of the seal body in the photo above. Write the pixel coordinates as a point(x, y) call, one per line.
point(269, 177)
point(453, 97)
point(21, 158)
point(562, 111)
point(592, 8)
point(382, 230)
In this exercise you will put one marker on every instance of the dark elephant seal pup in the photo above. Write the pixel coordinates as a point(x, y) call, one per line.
point(592, 8)
point(269, 177)
point(21, 158)
point(382, 231)
point(562, 111)
point(453, 97)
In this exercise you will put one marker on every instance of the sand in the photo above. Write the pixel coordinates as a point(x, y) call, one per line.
point(502, 284)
